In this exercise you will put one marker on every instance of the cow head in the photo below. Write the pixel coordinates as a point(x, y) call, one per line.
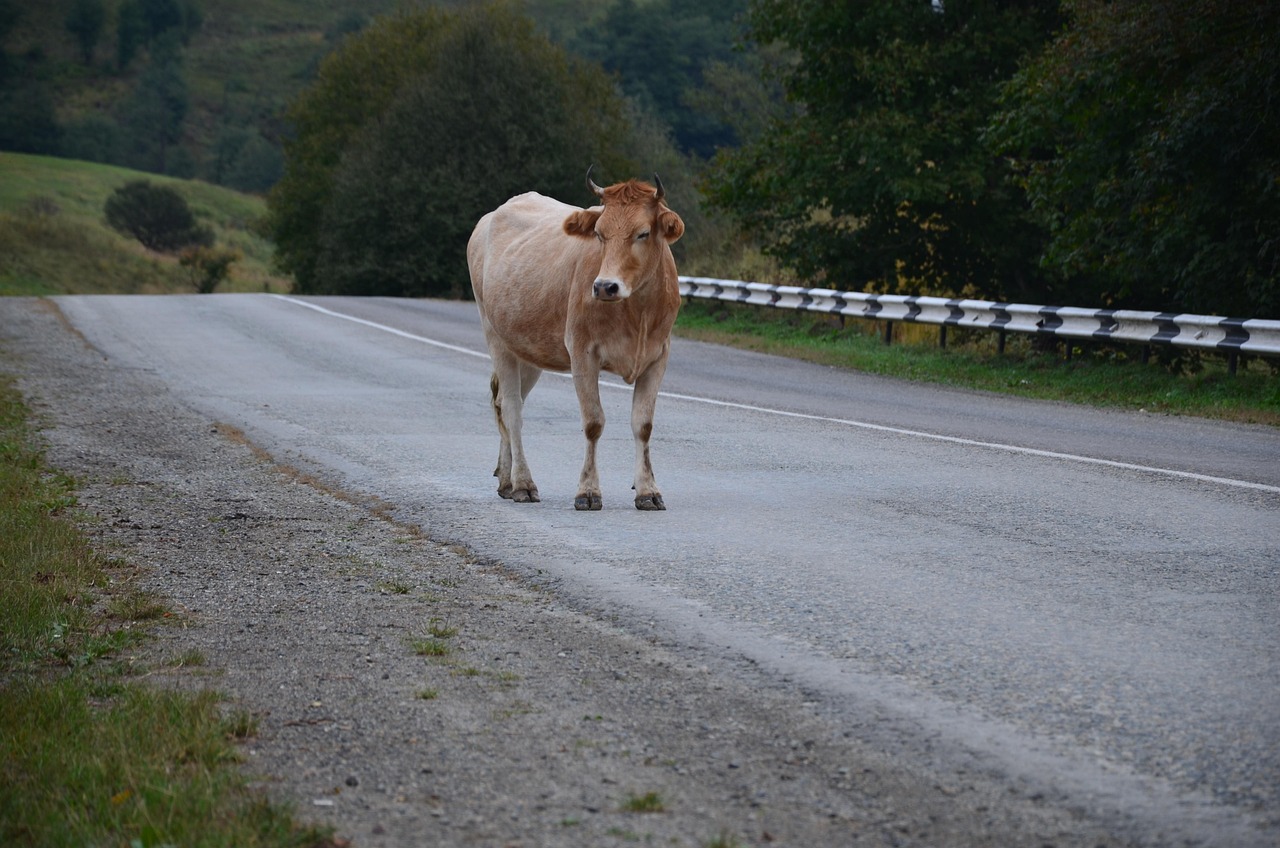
point(634, 228)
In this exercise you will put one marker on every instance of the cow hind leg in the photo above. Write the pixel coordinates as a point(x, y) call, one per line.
point(509, 386)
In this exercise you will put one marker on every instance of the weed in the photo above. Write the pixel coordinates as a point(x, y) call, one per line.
point(137, 605)
point(424, 647)
point(649, 802)
point(394, 587)
point(440, 629)
point(190, 658)
point(427, 694)
point(240, 725)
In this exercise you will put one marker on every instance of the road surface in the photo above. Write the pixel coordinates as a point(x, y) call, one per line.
point(1083, 601)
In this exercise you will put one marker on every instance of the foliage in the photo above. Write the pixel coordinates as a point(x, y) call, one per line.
point(661, 51)
point(157, 216)
point(379, 195)
point(131, 33)
point(28, 123)
point(85, 21)
point(1148, 137)
point(877, 179)
point(157, 109)
point(206, 267)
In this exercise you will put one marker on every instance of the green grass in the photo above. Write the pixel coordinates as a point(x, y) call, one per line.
point(54, 238)
point(424, 647)
point(90, 755)
point(1099, 376)
point(649, 802)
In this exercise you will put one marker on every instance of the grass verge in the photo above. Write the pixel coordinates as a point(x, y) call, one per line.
point(90, 755)
point(1106, 376)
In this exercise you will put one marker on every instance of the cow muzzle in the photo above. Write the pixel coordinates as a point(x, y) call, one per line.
point(609, 290)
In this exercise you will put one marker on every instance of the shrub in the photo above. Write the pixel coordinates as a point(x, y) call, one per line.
point(206, 267)
point(155, 215)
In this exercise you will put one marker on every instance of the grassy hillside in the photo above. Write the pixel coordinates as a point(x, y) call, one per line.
point(54, 239)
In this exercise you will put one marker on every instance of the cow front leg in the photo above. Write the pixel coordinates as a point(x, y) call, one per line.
point(587, 382)
point(642, 405)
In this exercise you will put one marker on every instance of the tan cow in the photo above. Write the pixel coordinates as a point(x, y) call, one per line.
point(581, 290)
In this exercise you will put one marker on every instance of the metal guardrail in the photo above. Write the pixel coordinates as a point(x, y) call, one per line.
point(1229, 335)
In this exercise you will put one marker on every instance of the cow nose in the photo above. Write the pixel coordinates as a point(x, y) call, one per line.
point(606, 289)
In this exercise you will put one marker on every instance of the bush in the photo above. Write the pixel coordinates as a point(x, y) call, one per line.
point(155, 215)
point(206, 267)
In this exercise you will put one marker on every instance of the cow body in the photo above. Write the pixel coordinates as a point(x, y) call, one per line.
point(582, 290)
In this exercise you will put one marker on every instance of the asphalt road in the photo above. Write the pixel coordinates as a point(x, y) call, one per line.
point(1082, 602)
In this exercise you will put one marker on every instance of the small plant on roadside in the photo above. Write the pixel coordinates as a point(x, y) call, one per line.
point(190, 658)
point(427, 694)
point(137, 605)
point(240, 725)
point(206, 267)
point(724, 840)
point(649, 802)
point(441, 629)
point(425, 647)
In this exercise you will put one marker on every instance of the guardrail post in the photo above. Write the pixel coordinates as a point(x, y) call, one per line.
point(1000, 341)
point(1233, 357)
point(942, 336)
point(888, 332)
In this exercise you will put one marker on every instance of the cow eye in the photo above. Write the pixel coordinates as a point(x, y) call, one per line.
point(642, 236)
point(599, 237)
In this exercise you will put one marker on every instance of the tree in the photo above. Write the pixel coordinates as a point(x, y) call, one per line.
point(1148, 138)
point(661, 51)
point(878, 178)
point(157, 109)
point(84, 22)
point(131, 33)
point(418, 126)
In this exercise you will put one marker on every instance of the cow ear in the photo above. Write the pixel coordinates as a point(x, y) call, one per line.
point(582, 223)
point(671, 225)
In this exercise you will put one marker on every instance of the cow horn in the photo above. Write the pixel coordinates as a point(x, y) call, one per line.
point(662, 192)
point(595, 189)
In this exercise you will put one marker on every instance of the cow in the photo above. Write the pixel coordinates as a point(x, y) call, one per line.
point(561, 288)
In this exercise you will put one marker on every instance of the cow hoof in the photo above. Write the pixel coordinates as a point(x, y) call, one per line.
point(588, 502)
point(525, 496)
point(650, 502)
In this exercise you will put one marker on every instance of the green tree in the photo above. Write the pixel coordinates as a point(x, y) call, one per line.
point(85, 21)
point(418, 126)
point(878, 178)
point(131, 33)
point(353, 86)
point(661, 51)
point(256, 167)
point(157, 109)
point(1148, 138)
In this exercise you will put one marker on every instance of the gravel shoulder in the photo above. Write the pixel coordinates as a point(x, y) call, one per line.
point(537, 720)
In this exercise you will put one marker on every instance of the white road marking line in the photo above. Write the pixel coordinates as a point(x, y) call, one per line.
point(847, 422)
